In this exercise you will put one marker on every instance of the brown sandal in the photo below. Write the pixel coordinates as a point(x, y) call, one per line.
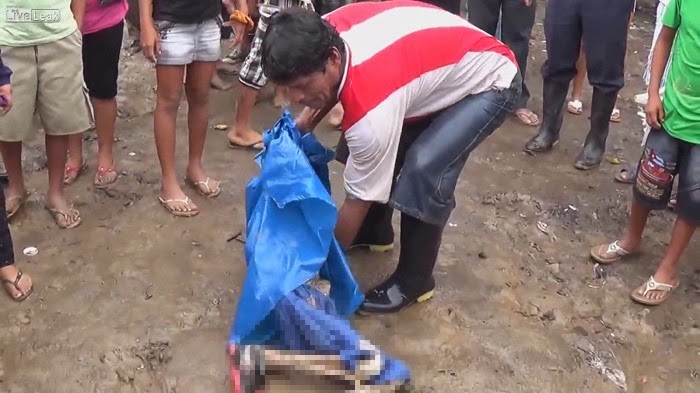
point(71, 174)
point(15, 286)
point(171, 204)
point(14, 204)
point(104, 177)
point(66, 219)
point(209, 188)
point(527, 117)
point(609, 253)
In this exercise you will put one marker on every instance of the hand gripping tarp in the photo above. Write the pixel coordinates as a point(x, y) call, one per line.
point(290, 218)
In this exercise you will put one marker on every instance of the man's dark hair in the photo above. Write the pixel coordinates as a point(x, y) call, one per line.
point(297, 43)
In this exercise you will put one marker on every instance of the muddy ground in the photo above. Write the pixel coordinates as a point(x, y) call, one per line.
point(135, 300)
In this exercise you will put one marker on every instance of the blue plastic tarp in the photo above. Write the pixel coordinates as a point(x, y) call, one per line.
point(290, 218)
point(289, 240)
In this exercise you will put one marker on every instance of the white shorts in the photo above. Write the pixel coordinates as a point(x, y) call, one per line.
point(182, 44)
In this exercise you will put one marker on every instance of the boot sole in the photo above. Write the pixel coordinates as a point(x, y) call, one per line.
point(378, 248)
point(534, 152)
point(421, 299)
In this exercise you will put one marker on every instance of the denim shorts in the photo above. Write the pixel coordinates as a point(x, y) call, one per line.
point(182, 44)
point(664, 159)
point(433, 151)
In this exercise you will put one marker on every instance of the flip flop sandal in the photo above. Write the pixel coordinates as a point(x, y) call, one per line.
point(15, 285)
point(14, 204)
point(626, 176)
point(71, 174)
point(251, 146)
point(575, 107)
point(609, 253)
point(66, 219)
point(171, 204)
point(615, 116)
point(527, 117)
point(639, 295)
point(104, 177)
point(204, 188)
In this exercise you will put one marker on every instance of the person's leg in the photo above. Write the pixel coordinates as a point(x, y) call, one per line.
point(101, 57)
point(484, 14)
point(516, 27)
point(64, 109)
point(199, 74)
point(177, 50)
point(605, 28)
point(575, 106)
point(18, 124)
point(252, 80)
point(652, 190)
point(562, 27)
point(424, 193)
point(17, 285)
point(688, 217)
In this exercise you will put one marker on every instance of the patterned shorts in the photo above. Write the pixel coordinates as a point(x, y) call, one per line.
point(664, 159)
point(251, 73)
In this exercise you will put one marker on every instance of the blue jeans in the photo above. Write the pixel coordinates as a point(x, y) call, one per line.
point(433, 151)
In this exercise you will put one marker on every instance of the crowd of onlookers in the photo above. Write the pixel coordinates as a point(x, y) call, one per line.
point(64, 82)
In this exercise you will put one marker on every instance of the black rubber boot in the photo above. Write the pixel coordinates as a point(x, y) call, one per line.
point(376, 232)
point(602, 106)
point(554, 96)
point(413, 281)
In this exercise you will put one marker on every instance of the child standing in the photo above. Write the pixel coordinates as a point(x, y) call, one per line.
point(672, 150)
point(182, 36)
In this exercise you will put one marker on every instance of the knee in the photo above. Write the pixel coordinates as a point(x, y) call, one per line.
point(197, 97)
point(168, 100)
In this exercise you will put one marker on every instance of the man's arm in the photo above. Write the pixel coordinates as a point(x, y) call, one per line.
point(662, 51)
point(146, 14)
point(350, 218)
point(78, 9)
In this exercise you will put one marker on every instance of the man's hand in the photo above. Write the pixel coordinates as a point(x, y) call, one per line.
point(527, 2)
point(655, 111)
point(150, 43)
point(5, 99)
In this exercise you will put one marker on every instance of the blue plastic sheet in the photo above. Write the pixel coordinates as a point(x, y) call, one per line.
point(289, 233)
point(290, 221)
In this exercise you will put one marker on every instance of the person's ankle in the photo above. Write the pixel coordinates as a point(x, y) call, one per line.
point(666, 275)
point(629, 244)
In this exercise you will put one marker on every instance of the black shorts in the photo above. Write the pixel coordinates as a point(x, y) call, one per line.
point(101, 61)
point(665, 158)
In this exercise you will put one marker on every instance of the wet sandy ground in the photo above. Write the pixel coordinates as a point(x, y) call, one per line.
point(135, 300)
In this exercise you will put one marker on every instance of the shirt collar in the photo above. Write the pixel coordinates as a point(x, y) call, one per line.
point(343, 80)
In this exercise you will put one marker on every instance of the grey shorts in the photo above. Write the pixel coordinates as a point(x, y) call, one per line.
point(251, 73)
point(665, 158)
point(182, 44)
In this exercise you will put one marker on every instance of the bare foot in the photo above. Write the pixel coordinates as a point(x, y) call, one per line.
point(280, 101)
point(244, 137)
point(63, 213)
point(335, 117)
point(21, 288)
point(176, 201)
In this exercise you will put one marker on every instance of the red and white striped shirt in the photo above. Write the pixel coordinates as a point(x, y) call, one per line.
point(406, 59)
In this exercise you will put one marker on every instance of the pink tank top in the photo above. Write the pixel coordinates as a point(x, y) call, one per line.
point(101, 17)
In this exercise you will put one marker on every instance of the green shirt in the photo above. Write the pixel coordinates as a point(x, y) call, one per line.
point(682, 96)
point(35, 22)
